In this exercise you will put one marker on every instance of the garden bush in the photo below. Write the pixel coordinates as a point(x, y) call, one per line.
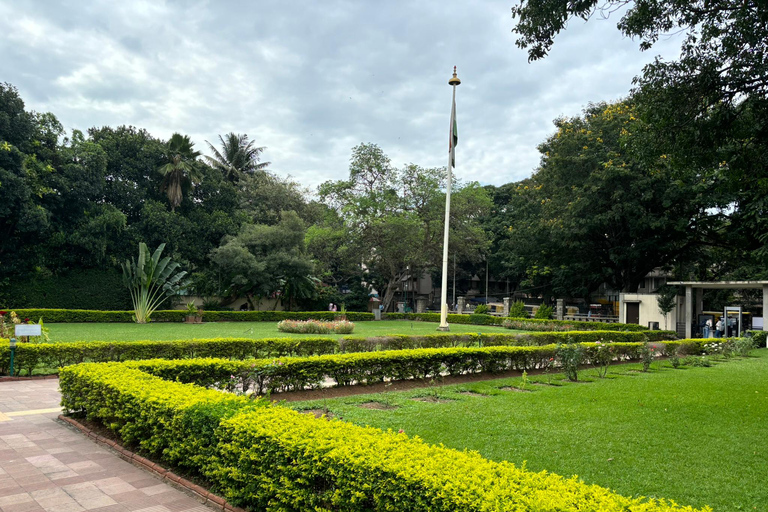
point(517, 310)
point(268, 457)
point(544, 312)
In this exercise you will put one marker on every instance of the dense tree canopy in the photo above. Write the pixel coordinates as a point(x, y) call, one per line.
point(394, 217)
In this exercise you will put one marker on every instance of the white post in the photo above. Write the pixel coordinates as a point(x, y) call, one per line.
point(688, 310)
point(444, 290)
point(765, 310)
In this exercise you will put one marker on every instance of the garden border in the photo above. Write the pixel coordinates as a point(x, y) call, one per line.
point(166, 475)
point(255, 453)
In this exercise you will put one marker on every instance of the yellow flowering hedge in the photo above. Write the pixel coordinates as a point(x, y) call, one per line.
point(267, 457)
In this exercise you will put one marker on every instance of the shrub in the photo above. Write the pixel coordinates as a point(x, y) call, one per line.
point(758, 338)
point(517, 310)
point(269, 457)
point(743, 346)
point(482, 309)
point(647, 354)
point(544, 312)
point(570, 356)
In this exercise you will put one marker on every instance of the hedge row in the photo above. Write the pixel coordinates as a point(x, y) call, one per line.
point(533, 324)
point(178, 315)
point(300, 373)
point(525, 324)
point(272, 458)
point(33, 356)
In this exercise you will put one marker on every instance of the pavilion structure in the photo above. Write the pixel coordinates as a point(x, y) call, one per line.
point(700, 286)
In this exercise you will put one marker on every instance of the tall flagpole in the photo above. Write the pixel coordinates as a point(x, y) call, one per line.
point(454, 81)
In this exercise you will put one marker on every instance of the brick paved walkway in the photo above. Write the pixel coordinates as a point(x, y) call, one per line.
point(46, 466)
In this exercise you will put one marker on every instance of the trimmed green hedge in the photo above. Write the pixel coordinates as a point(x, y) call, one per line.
point(524, 324)
point(178, 315)
point(76, 289)
point(33, 356)
point(300, 373)
point(273, 458)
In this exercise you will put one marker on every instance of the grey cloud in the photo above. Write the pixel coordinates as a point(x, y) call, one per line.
point(309, 80)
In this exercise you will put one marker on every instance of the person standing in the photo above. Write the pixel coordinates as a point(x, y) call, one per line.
point(707, 327)
point(719, 328)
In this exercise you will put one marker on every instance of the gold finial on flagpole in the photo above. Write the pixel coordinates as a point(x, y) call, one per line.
point(455, 79)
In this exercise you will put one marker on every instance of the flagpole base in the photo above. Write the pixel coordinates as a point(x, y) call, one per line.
point(444, 328)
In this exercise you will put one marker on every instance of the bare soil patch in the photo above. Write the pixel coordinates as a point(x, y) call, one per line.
point(378, 405)
point(433, 399)
point(512, 388)
point(319, 413)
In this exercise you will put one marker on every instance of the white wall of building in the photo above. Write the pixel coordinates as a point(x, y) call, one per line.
point(649, 310)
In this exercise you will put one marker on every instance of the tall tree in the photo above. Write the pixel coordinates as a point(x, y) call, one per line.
point(395, 216)
point(596, 213)
point(707, 111)
point(180, 169)
point(238, 157)
point(263, 260)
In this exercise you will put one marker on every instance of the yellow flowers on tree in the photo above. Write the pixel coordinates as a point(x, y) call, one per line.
point(151, 280)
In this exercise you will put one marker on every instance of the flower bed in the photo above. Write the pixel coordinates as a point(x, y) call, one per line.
point(268, 457)
point(316, 326)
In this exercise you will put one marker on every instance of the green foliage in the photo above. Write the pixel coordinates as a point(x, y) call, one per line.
point(759, 338)
point(517, 310)
point(259, 456)
point(694, 115)
point(570, 356)
point(177, 315)
point(395, 217)
point(264, 260)
point(180, 170)
point(150, 280)
point(482, 309)
point(647, 353)
point(238, 157)
point(544, 312)
point(77, 289)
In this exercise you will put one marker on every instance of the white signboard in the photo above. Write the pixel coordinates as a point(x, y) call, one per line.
point(29, 330)
point(757, 323)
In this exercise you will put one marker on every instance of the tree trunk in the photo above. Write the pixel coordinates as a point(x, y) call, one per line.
point(389, 294)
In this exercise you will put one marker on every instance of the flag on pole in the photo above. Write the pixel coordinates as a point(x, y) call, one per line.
point(453, 137)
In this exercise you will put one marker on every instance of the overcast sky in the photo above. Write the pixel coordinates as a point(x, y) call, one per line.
point(310, 80)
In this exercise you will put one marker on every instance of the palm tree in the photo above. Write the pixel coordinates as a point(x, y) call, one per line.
point(180, 167)
point(237, 158)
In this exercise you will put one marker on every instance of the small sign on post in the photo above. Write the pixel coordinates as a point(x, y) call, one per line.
point(29, 330)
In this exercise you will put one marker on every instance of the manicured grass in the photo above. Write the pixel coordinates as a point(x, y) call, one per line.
point(698, 436)
point(176, 331)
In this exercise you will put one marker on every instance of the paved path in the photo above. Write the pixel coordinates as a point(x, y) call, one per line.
point(46, 466)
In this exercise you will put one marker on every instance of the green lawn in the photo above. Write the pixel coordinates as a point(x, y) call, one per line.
point(695, 435)
point(176, 331)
